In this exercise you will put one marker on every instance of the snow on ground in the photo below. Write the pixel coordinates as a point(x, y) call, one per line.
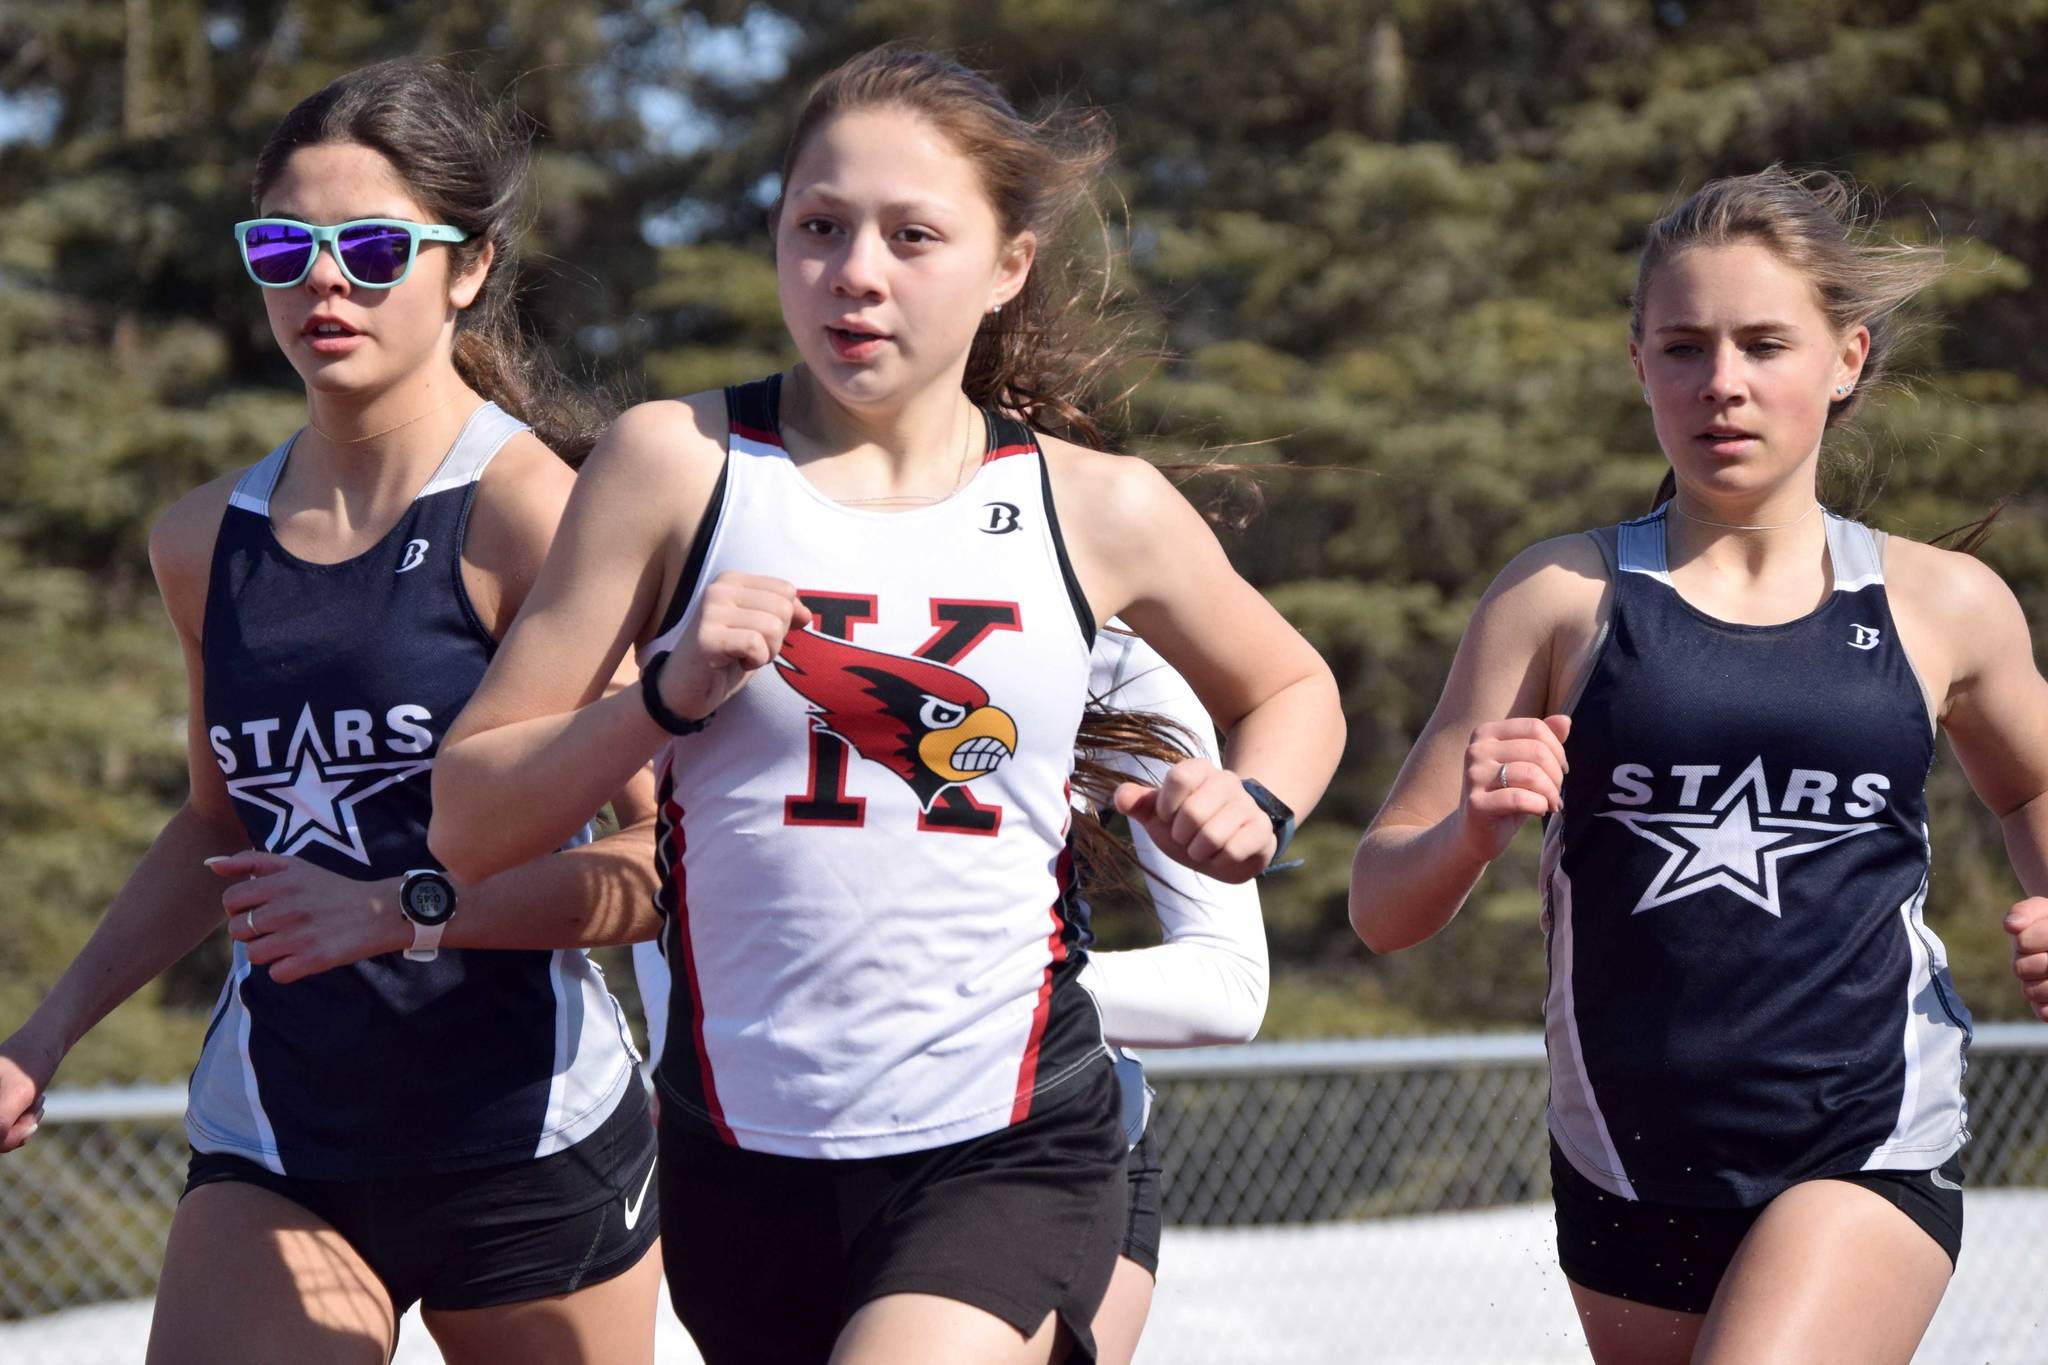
point(1470, 1287)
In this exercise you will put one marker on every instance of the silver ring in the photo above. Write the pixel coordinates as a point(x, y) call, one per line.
point(252, 920)
point(1501, 781)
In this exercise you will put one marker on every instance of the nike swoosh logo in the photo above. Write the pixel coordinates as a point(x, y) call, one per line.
point(1941, 1181)
point(634, 1205)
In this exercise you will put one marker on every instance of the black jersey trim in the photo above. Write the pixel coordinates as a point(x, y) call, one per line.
point(700, 550)
point(1084, 615)
point(754, 411)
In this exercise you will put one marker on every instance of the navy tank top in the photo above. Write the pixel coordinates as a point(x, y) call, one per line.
point(328, 689)
point(1743, 994)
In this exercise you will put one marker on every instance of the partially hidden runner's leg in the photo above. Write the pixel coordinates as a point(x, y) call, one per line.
point(1831, 1272)
point(1622, 1332)
point(251, 1276)
point(609, 1323)
point(1121, 1319)
point(926, 1329)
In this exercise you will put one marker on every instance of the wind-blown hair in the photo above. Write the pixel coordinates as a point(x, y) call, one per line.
point(1818, 224)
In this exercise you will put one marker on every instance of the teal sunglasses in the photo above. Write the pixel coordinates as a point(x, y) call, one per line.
point(374, 253)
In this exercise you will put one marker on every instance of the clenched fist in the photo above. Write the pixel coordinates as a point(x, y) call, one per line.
point(1202, 816)
point(2027, 922)
point(1513, 769)
point(740, 626)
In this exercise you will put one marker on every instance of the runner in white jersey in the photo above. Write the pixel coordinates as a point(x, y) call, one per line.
point(1727, 712)
point(866, 595)
point(1206, 984)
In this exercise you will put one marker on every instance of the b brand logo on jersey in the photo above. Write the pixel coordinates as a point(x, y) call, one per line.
point(1866, 637)
point(1737, 844)
point(312, 795)
point(914, 714)
point(415, 555)
point(1002, 518)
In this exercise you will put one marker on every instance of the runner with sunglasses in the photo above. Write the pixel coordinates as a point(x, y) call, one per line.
point(381, 1113)
point(866, 591)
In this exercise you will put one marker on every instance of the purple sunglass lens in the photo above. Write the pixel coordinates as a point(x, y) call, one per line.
point(376, 254)
point(277, 254)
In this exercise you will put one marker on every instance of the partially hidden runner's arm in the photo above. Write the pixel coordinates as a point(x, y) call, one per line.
point(1141, 552)
point(541, 745)
point(1995, 709)
point(1207, 983)
point(310, 920)
point(1446, 817)
point(170, 902)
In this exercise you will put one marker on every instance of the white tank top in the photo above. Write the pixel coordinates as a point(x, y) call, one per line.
point(863, 855)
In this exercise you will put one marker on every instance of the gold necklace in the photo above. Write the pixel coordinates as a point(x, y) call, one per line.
point(358, 440)
point(966, 443)
point(1735, 526)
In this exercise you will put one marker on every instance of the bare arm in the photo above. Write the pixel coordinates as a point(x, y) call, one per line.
point(542, 724)
point(1995, 710)
point(1447, 817)
point(1142, 553)
point(299, 920)
point(169, 903)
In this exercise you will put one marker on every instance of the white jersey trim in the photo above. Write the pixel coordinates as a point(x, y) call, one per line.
point(1574, 1118)
point(1933, 1119)
point(226, 1091)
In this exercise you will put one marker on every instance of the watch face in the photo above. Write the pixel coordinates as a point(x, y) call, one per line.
point(428, 898)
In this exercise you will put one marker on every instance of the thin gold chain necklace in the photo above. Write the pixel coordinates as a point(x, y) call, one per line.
point(966, 443)
point(358, 440)
point(1736, 526)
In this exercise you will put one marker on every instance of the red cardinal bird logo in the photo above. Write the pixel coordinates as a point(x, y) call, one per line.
point(931, 726)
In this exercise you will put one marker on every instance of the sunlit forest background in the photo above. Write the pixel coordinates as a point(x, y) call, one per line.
point(1389, 240)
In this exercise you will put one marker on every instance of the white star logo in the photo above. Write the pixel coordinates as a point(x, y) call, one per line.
point(1737, 847)
point(313, 799)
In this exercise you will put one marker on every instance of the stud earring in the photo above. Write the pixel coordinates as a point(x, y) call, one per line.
point(995, 310)
point(1646, 395)
point(1841, 390)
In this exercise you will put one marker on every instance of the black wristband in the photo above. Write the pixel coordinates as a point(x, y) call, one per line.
point(1276, 811)
point(650, 697)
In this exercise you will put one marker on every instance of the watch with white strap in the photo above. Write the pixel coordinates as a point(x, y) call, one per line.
point(427, 898)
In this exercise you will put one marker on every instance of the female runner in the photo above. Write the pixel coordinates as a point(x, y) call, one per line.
point(1205, 985)
point(1727, 709)
point(866, 593)
point(459, 1127)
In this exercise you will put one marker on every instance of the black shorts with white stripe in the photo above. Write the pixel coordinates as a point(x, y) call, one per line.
point(529, 1229)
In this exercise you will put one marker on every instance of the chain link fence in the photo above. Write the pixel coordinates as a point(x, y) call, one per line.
point(1373, 1200)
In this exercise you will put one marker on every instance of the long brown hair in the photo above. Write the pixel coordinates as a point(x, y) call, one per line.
point(1820, 225)
point(1105, 864)
point(465, 159)
point(1053, 354)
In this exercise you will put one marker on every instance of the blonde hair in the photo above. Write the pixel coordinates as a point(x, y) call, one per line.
point(1818, 224)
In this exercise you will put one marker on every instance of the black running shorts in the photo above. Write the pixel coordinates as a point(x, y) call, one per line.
point(502, 1234)
point(769, 1256)
point(1142, 1222)
point(1673, 1255)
